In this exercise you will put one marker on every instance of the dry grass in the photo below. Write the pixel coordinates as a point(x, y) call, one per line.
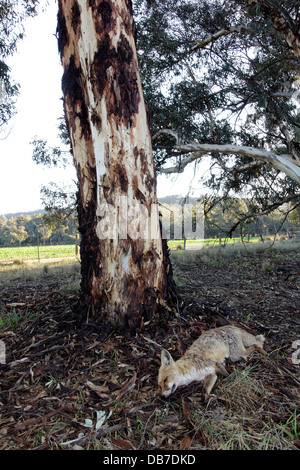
point(215, 254)
point(236, 418)
point(30, 271)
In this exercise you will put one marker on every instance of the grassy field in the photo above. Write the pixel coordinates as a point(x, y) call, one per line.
point(197, 244)
point(23, 253)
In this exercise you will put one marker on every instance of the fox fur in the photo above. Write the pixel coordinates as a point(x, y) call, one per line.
point(205, 358)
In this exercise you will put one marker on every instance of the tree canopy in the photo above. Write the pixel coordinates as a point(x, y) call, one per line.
point(221, 80)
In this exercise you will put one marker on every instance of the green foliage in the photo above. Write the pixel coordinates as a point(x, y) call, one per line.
point(59, 201)
point(12, 16)
point(52, 157)
point(234, 89)
point(8, 91)
point(225, 220)
point(11, 318)
point(33, 229)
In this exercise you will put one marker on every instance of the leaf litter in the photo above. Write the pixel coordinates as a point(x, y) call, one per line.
point(67, 385)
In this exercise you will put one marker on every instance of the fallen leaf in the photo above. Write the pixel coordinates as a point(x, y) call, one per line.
point(101, 417)
point(185, 444)
point(123, 443)
point(67, 443)
point(129, 385)
point(97, 388)
point(33, 421)
point(32, 400)
point(186, 409)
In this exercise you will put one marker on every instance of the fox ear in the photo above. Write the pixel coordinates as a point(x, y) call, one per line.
point(166, 358)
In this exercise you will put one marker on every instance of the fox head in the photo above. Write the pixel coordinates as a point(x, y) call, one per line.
point(167, 375)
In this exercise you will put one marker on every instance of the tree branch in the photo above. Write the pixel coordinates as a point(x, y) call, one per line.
point(285, 163)
point(166, 132)
point(241, 169)
point(282, 21)
point(222, 32)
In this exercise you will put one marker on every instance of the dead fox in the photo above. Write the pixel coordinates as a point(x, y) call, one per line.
point(205, 357)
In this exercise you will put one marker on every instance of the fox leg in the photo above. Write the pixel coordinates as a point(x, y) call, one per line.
point(221, 369)
point(261, 350)
point(209, 383)
point(252, 348)
point(252, 343)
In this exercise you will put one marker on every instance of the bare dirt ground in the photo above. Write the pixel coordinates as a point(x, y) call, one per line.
point(66, 385)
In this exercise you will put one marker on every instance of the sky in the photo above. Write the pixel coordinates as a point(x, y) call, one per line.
point(36, 67)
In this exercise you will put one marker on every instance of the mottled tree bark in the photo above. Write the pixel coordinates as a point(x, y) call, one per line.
point(124, 270)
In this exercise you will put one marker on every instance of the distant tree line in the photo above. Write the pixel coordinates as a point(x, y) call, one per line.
point(45, 228)
point(233, 217)
point(34, 229)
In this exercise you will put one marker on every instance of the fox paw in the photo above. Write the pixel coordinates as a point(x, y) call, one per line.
point(209, 398)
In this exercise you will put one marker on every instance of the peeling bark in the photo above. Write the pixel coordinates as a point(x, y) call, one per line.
point(122, 277)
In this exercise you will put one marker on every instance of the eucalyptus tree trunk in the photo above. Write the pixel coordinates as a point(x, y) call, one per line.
point(124, 270)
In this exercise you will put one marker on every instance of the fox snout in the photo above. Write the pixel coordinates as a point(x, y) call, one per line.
point(167, 390)
point(166, 383)
point(166, 377)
